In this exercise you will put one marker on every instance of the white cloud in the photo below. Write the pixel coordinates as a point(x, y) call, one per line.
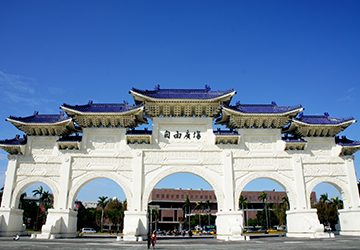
point(21, 89)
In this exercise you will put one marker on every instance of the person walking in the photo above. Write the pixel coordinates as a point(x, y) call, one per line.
point(153, 239)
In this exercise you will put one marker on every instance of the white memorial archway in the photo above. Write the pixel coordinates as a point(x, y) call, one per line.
point(99, 141)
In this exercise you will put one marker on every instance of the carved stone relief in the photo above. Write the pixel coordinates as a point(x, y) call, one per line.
point(42, 148)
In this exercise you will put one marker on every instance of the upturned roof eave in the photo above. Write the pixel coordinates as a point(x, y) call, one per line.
point(148, 98)
point(70, 111)
point(66, 121)
point(301, 123)
point(286, 113)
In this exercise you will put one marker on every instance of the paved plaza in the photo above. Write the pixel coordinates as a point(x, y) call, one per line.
point(278, 243)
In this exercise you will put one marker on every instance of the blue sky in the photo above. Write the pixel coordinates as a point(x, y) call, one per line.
point(290, 52)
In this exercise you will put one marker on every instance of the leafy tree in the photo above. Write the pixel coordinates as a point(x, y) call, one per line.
point(86, 218)
point(102, 202)
point(327, 210)
point(114, 211)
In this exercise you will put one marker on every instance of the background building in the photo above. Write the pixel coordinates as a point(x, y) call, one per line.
point(170, 202)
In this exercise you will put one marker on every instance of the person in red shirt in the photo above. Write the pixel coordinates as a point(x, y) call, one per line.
point(153, 239)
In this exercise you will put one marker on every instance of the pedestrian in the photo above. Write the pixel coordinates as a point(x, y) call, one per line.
point(153, 239)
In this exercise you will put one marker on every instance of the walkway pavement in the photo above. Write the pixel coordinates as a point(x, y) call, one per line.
point(270, 243)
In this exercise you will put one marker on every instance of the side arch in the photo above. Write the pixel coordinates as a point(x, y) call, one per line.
point(170, 170)
point(22, 185)
point(278, 178)
point(338, 184)
point(120, 180)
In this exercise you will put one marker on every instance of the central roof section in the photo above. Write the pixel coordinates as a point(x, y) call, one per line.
point(182, 102)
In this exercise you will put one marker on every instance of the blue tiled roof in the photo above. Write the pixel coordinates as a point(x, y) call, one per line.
point(321, 119)
point(292, 139)
point(343, 141)
point(262, 108)
point(225, 132)
point(102, 108)
point(182, 93)
point(71, 138)
point(36, 118)
point(139, 132)
point(16, 141)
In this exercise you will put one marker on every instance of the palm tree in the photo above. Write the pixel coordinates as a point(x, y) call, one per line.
point(39, 191)
point(199, 206)
point(187, 207)
point(242, 202)
point(207, 205)
point(102, 202)
point(246, 204)
point(262, 197)
point(337, 202)
point(324, 197)
point(155, 214)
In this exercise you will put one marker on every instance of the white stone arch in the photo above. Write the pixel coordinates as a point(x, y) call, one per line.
point(170, 170)
point(277, 177)
point(120, 180)
point(335, 182)
point(22, 185)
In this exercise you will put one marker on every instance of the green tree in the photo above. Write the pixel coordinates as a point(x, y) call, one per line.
point(327, 210)
point(187, 209)
point(114, 212)
point(207, 208)
point(262, 197)
point(199, 207)
point(102, 202)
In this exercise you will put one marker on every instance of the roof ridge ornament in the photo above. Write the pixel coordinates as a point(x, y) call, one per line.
point(326, 114)
point(36, 113)
point(301, 115)
point(273, 103)
point(207, 88)
point(90, 102)
point(157, 87)
point(237, 104)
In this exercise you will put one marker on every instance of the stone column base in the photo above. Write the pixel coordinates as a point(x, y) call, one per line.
point(60, 223)
point(135, 226)
point(305, 223)
point(229, 225)
point(11, 221)
point(349, 221)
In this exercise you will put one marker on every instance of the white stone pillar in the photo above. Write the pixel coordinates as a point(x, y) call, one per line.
point(229, 190)
point(135, 220)
point(64, 187)
point(350, 216)
point(299, 182)
point(229, 223)
point(11, 219)
point(60, 223)
point(304, 223)
point(9, 181)
point(353, 196)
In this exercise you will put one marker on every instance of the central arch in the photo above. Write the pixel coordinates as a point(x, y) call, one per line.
point(170, 170)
